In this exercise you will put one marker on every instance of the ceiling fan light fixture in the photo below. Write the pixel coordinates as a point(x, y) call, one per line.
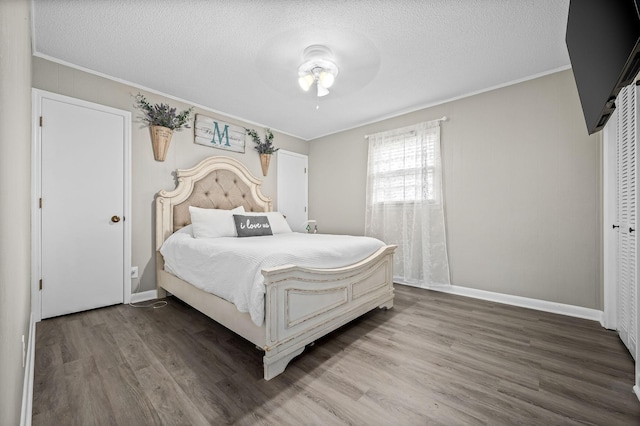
point(319, 68)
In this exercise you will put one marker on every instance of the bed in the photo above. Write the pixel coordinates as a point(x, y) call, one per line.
point(300, 304)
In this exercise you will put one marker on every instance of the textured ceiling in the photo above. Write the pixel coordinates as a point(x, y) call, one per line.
point(240, 57)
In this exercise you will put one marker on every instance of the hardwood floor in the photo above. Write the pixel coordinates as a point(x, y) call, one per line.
point(434, 358)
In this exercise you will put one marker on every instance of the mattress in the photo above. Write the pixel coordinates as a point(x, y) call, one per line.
point(230, 267)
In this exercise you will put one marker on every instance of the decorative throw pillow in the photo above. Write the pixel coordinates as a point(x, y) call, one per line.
point(252, 226)
point(277, 221)
point(213, 223)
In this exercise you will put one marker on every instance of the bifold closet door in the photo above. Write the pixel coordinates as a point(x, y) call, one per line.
point(626, 215)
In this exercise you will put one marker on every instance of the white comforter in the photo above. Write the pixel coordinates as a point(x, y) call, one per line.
point(230, 267)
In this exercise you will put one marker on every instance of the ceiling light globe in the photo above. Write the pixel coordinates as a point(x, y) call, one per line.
point(327, 79)
point(306, 81)
point(322, 91)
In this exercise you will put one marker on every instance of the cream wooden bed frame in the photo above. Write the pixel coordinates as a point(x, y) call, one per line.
point(301, 304)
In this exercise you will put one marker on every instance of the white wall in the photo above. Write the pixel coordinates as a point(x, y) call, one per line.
point(522, 189)
point(15, 207)
point(150, 176)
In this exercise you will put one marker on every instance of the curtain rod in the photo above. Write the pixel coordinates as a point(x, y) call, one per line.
point(443, 118)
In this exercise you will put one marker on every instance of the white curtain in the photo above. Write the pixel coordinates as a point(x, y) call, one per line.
point(404, 202)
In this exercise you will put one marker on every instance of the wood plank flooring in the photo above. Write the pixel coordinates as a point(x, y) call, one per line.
point(434, 358)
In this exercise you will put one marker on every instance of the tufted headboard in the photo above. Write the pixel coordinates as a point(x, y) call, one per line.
point(216, 183)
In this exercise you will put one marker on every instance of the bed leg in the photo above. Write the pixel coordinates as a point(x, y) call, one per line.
point(387, 305)
point(274, 367)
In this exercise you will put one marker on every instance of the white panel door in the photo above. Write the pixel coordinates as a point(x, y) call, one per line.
point(292, 188)
point(82, 189)
point(626, 217)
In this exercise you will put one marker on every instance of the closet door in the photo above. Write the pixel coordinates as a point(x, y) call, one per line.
point(626, 216)
point(84, 258)
point(292, 188)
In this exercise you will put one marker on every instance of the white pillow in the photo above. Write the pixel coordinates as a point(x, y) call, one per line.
point(185, 230)
point(277, 221)
point(213, 223)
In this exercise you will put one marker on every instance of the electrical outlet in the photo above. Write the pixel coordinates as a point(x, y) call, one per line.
point(134, 272)
point(24, 352)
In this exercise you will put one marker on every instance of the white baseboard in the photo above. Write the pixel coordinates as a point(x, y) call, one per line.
point(27, 387)
point(523, 302)
point(144, 296)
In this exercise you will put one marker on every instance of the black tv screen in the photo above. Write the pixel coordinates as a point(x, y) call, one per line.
point(602, 40)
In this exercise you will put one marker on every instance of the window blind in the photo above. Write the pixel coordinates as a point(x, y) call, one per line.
point(403, 166)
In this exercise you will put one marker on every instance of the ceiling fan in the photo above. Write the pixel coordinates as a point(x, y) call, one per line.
point(317, 69)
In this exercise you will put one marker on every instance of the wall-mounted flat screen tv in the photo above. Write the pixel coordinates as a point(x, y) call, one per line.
point(602, 40)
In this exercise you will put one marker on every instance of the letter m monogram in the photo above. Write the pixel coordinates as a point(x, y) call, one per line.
point(218, 138)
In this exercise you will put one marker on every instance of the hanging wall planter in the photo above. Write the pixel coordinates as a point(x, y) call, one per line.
point(265, 148)
point(160, 138)
point(264, 162)
point(163, 120)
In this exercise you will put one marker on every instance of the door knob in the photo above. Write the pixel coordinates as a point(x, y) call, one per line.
point(115, 219)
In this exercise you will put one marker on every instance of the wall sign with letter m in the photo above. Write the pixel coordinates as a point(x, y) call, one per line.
point(217, 134)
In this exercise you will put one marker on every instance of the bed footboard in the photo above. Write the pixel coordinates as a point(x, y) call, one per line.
point(303, 304)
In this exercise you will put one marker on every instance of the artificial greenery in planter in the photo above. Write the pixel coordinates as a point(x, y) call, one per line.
point(265, 148)
point(163, 120)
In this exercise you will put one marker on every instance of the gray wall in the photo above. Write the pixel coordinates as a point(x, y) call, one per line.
point(522, 182)
point(150, 176)
point(522, 189)
point(15, 208)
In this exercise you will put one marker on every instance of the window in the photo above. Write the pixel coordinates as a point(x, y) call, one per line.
point(404, 167)
point(404, 208)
